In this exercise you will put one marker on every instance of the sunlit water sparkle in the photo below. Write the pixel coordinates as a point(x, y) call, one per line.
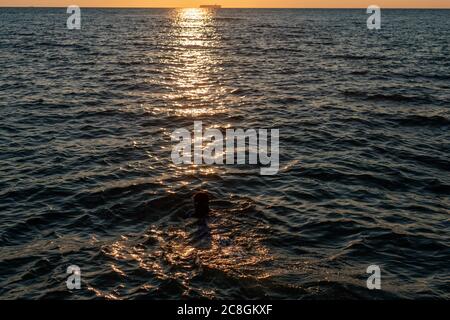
point(86, 176)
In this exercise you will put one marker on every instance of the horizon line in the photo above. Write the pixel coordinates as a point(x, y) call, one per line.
point(138, 7)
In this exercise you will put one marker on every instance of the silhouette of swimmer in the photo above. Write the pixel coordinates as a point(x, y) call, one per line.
point(201, 204)
point(202, 238)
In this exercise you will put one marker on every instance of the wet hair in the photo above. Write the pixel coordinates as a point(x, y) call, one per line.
point(201, 204)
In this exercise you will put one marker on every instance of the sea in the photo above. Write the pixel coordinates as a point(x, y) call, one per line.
point(87, 180)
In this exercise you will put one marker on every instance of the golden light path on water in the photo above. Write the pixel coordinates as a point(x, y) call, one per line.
point(181, 252)
point(194, 64)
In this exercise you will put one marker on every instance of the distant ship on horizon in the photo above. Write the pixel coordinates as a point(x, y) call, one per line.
point(210, 6)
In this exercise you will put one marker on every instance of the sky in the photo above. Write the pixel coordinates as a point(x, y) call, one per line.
point(234, 3)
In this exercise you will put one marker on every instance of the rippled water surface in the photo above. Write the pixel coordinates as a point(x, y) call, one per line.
point(86, 176)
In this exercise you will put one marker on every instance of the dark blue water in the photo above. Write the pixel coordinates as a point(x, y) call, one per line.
point(86, 177)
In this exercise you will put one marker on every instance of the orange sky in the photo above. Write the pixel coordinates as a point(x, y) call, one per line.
point(235, 3)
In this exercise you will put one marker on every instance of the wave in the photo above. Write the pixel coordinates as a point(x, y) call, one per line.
point(395, 97)
point(422, 121)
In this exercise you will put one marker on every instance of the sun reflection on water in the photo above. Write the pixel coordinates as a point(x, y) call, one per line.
point(184, 253)
point(194, 64)
point(174, 252)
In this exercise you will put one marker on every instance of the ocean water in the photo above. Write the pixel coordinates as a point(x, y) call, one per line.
point(86, 176)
